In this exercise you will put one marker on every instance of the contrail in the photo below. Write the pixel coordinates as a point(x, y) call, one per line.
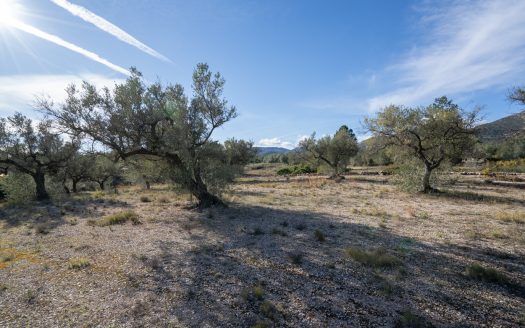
point(107, 26)
point(61, 42)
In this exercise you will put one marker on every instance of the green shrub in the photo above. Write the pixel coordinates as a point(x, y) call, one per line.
point(18, 188)
point(377, 258)
point(117, 218)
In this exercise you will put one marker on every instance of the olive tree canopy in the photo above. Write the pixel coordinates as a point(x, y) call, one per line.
point(334, 151)
point(138, 119)
point(433, 134)
point(36, 150)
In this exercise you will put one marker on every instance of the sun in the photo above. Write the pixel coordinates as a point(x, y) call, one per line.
point(9, 10)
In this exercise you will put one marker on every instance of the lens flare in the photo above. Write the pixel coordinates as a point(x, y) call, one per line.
point(9, 10)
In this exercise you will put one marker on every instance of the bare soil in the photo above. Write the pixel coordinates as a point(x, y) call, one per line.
point(277, 257)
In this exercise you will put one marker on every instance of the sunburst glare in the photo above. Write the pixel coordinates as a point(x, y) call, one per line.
point(9, 11)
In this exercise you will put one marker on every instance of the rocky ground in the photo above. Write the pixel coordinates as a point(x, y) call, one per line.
point(297, 252)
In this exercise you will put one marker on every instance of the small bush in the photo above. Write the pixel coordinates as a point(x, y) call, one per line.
point(478, 272)
point(79, 263)
point(117, 218)
point(145, 199)
point(18, 188)
point(377, 258)
point(296, 169)
point(319, 235)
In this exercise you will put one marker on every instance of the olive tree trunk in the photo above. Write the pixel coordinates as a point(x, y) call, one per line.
point(40, 182)
point(427, 188)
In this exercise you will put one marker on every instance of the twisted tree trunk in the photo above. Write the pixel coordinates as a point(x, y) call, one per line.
point(40, 182)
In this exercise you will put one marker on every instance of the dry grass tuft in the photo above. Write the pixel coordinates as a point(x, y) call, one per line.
point(516, 217)
point(377, 258)
point(117, 218)
point(79, 263)
point(478, 272)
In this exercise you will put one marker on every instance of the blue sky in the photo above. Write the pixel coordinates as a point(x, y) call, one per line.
point(292, 67)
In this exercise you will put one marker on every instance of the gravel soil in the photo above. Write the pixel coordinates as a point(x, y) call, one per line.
point(279, 256)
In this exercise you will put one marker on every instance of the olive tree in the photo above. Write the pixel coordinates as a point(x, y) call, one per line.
point(102, 169)
point(334, 151)
point(439, 132)
point(147, 170)
point(36, 150)
point(239, 152)
point(76, 169)
point(138, 119)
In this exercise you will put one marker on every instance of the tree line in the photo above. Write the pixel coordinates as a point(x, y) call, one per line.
point(160, 130)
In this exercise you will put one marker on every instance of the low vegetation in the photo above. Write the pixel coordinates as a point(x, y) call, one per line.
point(117, 218)
point(478, 272)
point(79, 263)
point(515, 217)
point(378, 258)
point(296, 169)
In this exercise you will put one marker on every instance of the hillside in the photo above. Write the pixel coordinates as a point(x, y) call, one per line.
point(261, 151)
point(506, 127)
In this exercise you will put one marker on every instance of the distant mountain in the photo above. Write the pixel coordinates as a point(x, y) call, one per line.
point(504, 128)
point(261, 151)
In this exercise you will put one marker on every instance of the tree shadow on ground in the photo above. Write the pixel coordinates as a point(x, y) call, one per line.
point(50, 214)
point(476, 197)
point(259, 265)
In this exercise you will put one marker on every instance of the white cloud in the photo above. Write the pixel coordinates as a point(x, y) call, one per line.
point(281, 142)
point(18, 92)
point(275, 142)
point(107, 27)
point(470, 46)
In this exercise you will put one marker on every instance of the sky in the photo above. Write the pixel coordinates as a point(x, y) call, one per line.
point(291, 67)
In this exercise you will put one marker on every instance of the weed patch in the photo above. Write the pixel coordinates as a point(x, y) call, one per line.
point(117, 218)
point(79, 263)
point(377, 258)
